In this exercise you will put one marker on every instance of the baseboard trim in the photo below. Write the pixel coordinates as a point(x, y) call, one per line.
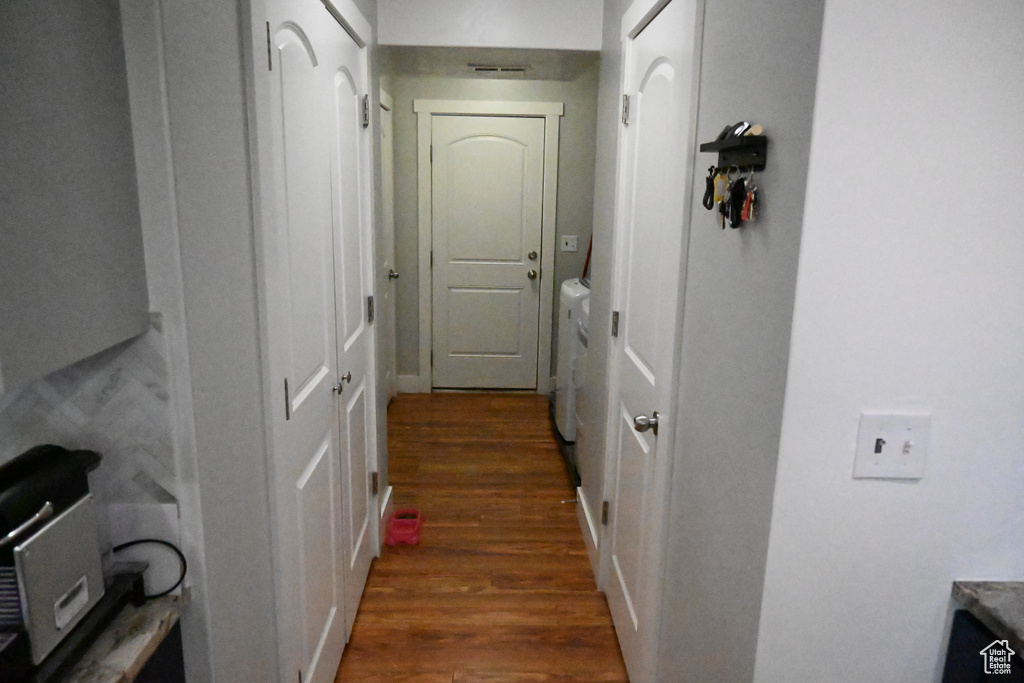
point(415, 384)
point(412, 384)
point(589, 531)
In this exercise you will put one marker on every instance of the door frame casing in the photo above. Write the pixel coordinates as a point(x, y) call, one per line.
point(551, 112)
point(387, 392)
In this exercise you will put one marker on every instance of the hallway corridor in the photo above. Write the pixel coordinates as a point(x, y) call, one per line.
point(500, 588)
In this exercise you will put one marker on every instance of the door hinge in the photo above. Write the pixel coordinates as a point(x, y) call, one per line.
point(604, 513)
point(287, 401)
point(431, 357)
point(625, 109)
point(431, 258)
point(374, 483)
point(369, 309)
point(431, 154)
point(615, 323)
point(270, 61)
point(366, 111)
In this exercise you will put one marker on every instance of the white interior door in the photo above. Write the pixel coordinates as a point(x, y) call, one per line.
point(386, 272)
point(656, 158)
point(353, 259)
point(487, 197)
point(299, 272)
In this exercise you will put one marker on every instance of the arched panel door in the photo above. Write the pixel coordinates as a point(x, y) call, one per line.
point(488, 197)
point(655, 171)
point(350, 151)
point(299, 270)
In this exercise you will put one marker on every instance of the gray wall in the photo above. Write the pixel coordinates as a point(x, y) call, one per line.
point(72, 270)
point(575, 178)
point(759, 64)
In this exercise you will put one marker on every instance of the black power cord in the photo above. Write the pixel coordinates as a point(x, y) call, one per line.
point(177, 551)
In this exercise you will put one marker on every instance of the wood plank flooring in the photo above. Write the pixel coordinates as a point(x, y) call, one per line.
point(499, 590)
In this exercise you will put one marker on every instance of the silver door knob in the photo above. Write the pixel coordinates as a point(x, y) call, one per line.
point(392, 274)
point(532, 274)
point(347, 377)
point(642, 423)
point(532, 256)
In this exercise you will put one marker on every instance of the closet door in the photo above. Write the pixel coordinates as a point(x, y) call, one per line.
point(656, 157)
point(299, 276)
point(349, 151)
point(316, 245)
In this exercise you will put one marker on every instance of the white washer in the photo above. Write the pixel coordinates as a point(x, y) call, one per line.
point(573, 294)
point(579, 367)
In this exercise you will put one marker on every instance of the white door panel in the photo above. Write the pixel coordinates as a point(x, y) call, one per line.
point(298, 265)
point(467, 306)
point(350, 153)
point(654, 180)
point(358, 504)
point(485, 182)
point(316, 501)
point(488, 187)
point(633, 450)
point(345, 161)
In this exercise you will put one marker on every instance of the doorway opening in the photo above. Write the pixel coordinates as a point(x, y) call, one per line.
point(487, 204)
point(428, 83)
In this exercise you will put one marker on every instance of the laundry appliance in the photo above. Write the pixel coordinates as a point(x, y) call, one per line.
point(572, 296)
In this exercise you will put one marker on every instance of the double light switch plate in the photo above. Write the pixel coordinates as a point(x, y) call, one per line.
point(891, 445)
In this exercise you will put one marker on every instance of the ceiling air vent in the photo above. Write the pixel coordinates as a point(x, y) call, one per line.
point(498, 69)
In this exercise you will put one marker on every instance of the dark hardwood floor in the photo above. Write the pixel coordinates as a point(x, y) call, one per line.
point(500, 588)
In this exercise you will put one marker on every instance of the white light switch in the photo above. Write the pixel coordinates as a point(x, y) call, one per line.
point(568, 242)
point(891, 445)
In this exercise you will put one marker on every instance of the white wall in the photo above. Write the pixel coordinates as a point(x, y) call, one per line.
point(910, 292)
point(590, 449)
point(147, 90)
point(561, 25)
point(208, 137)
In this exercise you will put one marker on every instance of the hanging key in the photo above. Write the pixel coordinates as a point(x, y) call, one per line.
point(737, 195)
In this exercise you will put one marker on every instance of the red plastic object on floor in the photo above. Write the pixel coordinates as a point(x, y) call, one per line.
point(405, 527)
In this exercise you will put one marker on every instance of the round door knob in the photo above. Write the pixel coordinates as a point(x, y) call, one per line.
point(392, 274)
point(532, 256)
point(532, 274)
point(642, 423)
point(347, 377)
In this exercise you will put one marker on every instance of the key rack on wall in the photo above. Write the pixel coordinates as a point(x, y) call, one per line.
point(746, 152)
point(741, 150)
